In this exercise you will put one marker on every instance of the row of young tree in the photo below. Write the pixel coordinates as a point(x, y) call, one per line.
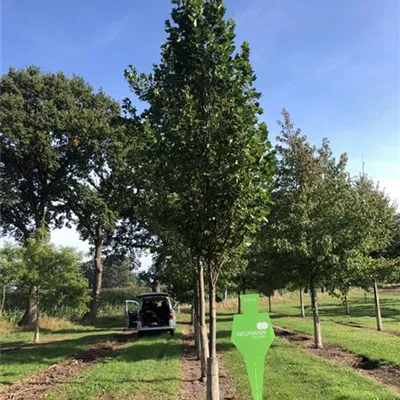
point(193, 178)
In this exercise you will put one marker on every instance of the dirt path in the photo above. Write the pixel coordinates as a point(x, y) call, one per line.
point(192, 388)
point(45, 381)
point(386, 374)
point(370, 328)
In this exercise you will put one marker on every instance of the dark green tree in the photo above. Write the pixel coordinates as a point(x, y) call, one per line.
point(51, 127)
point(212, 159)
point(312, 223)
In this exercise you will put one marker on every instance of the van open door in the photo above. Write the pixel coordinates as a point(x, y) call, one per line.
point(131, 313)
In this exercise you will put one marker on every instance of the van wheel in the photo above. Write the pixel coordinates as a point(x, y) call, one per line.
point(172, 332)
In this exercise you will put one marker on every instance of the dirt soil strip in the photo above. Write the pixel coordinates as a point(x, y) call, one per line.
point(45, 381)
point(386, 374)
point(370, 328)
point(192, 388)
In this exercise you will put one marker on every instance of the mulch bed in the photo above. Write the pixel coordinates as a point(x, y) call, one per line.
point(192, 388)
point(38, 385)
point(386, 374)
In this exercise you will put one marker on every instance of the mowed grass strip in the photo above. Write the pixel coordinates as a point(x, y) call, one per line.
point(18, 364)
point(291, 373)
point(371, 344)
point(147, 368)
point(330, 308)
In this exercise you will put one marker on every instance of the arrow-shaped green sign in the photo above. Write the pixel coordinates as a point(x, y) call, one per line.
point(252, 334)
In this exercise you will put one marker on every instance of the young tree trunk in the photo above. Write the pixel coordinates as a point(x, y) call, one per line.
point(239, 303)
point(212, 364)
point(317, 324)
point(195, 319)
point(29, 318)
point(269, 304)
point(90, 317)
point(346, 304)
point(302, 312)
point(225, 294)
point(3, 299)
point(365, 296)
point(203, 327)
point(36, 338)
point(377, 307)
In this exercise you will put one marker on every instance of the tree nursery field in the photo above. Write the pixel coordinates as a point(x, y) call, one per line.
point(109, 361)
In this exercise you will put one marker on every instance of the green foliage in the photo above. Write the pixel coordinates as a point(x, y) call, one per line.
point(324, 227)
point(10, 265)
point(211, 160)
point(118, 271)
point(51, 126)
point(55, 273)
point(322, 222)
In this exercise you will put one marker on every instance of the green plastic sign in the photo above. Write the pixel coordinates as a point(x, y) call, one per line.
point(253, 334)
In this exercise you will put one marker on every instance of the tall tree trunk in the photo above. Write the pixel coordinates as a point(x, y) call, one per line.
point(302, 312)
point(377, 307)
point(29, 318)
point(3, 299)
point(317, 324)
point(90, 317)
point(239, 303)
point(204, 351)
point(156, 285)
point(269, 304)
point(212, 364)
point(346, 304)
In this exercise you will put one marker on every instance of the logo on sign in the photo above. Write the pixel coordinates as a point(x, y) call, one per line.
point(262, 325)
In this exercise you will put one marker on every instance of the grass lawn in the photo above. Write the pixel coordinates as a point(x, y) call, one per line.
point(148, 368)
point(361, 312)
point(70, 339)
point(367, 343)
point(290, 373)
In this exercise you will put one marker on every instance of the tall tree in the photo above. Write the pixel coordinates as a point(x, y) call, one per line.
point(50, 129)
point(311, 223)
point(213, 165)
point(377, 232)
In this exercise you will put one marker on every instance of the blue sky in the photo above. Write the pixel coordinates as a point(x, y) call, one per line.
point(333, 64)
